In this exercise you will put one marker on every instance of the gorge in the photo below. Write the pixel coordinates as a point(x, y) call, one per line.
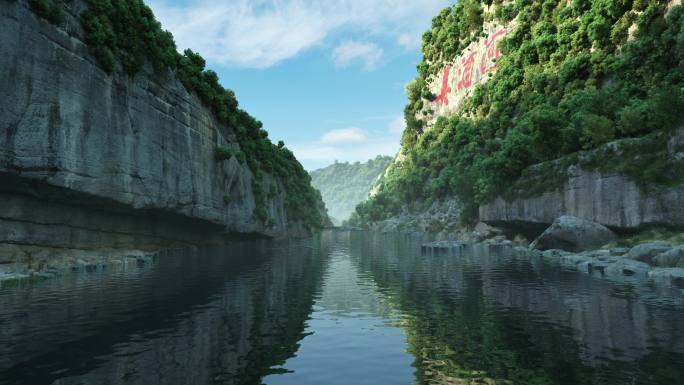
point(529, 230)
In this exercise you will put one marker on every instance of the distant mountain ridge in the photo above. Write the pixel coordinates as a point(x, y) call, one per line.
point(345, 185)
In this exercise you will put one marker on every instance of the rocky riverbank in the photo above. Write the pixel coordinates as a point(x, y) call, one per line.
point(589, 248)
point(610, 263)
point(619, 263)
point(43, 262)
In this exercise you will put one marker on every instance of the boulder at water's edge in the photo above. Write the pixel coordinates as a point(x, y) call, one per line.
point(573, 234)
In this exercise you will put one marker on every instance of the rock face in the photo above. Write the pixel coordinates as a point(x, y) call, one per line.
point(573, 234)
point(612, 199)
point(88, 159)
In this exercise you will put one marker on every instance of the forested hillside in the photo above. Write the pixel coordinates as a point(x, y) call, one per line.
point(571, 76)
point(345, 185)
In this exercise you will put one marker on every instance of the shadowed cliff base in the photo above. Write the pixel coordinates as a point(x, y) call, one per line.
point(53, 229)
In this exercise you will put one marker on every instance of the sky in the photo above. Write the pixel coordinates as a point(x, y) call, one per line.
point(325, 76)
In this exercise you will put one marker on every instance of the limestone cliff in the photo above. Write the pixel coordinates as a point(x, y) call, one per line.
point(609, 197)
point(525, 111)
point(89, 159)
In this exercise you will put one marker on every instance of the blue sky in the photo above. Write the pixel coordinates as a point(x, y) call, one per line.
point(325, 76)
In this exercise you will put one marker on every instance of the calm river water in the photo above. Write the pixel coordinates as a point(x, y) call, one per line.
point(344, 308)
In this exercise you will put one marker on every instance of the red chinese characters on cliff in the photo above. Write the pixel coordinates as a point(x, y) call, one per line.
point(492, 53)
point(485, 54)
point(442, 97)
point(466, 72)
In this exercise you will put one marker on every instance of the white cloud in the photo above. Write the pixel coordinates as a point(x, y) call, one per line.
point(263, 33)
point(352, 51)
point(352, 144)
point(344, 136)
point(313, 155)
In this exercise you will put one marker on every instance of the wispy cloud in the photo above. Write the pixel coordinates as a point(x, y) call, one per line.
point(313, 156)
point(263, 33)
point(344, 136)
point(409, 41)
point(351, 144)
point(349, 52)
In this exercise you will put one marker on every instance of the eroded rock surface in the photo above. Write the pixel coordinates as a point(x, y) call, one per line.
point(646, 251)
point(671, 258)
point(89, 159)
point(609, 198)
point(573, 234)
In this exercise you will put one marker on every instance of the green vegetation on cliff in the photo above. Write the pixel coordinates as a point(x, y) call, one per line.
point(126, 32)
point(344, 185)
point(573, 76)
point(48, 9)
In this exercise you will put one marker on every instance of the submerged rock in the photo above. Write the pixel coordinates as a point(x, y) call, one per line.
point(671, 258)
point(668, 275)
point(17, 261)
point(554, 253)
point(573, 260)
point(442, 248)
point(597, 265)
point(573, 234)
point(597, 253)
point(628, 267)
point(646, 251)
point(619, 250)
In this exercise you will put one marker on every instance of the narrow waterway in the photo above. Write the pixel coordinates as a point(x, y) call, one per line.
point(341, 308)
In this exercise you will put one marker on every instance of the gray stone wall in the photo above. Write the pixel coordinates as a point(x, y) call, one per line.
point(70, 132)
point(611, 199)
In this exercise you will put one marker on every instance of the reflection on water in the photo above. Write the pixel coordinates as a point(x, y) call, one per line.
point(220, 315)
point(487, 317)
point(355, 336)
point(343, 308)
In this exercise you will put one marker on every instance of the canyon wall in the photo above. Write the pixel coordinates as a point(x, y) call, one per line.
point(610, 198)
point(89, 159)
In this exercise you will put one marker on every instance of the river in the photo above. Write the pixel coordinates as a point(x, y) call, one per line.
point(342, 308)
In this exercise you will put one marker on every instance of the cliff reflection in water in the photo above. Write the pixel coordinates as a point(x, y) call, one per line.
point(488, 317)
point(344, 308)
point(221, 315)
